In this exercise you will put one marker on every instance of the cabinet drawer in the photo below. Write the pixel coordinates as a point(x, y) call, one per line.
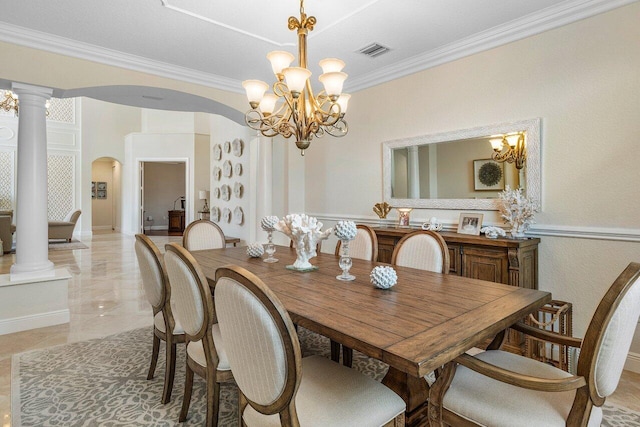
point(485, 264)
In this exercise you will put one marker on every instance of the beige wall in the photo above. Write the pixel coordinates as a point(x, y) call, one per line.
point(582, 81)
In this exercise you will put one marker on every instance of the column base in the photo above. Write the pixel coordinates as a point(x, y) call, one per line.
point(32, 270)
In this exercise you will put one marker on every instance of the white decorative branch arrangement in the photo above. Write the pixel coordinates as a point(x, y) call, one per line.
point(305, 232)
point(517, 210)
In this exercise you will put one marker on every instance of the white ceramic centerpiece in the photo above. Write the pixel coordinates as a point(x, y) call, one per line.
point(268, 224)
point(305, 232)
point(346, 231)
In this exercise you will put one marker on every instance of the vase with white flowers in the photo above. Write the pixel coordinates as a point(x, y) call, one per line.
point(517, 210)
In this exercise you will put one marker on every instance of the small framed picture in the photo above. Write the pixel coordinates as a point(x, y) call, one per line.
point(102, 194)
point(102, 186)
point(488, 175)
point(470, 223)
point(93, 189)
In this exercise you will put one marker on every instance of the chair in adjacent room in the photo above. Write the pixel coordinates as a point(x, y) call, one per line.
point(363, 246)
point(203, 234)
point(64, 229)
point(193, 308)
point(158, 293)
point(276, 385)
point(498, 388)
point(6, 231)
point(422, 249)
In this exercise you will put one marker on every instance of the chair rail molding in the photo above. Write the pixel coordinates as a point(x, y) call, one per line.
point(537, 230)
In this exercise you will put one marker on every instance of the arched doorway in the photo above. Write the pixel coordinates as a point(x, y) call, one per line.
point(106, 195)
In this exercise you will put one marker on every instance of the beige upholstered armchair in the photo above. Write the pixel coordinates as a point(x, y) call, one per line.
point(6, 230)
point(64, 229)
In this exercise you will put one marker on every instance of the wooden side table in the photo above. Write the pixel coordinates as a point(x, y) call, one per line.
point(204, 215)
point(229, 240)
point(176, 221)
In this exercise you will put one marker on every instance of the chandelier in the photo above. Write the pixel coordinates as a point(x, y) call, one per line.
point(509, 148)
point(10, 102)
point(300, 114)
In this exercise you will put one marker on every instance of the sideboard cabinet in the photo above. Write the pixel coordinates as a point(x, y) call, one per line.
point(176, 221)
point(510, 261)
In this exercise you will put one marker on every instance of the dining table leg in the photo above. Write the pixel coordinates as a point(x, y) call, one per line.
point(415, 393)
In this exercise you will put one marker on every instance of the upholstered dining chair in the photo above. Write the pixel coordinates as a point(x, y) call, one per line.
point(158, 293)
point(422, 249)
point(363, 246)
point(203, 234)
point(277, 386)
point(194, 309)
point(503, 389)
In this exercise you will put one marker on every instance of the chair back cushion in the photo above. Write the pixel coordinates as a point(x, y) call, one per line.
point(151, 270)
point(422, 251)
point(254, 346)
point(362, 247)
point(616, 341)
point(203, 234)
point(186, 296)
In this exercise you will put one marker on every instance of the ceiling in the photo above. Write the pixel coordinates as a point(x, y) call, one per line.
point(219, 43)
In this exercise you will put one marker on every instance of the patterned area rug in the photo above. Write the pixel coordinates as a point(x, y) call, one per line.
point(103, 383)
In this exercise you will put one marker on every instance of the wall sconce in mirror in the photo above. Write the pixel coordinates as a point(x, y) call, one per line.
point(509, 148)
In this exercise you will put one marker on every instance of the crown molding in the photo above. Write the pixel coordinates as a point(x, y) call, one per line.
point(547, 19)
point(535, 23)
point(43, 41)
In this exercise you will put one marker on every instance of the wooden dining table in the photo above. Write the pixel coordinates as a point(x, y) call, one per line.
point(424, 321)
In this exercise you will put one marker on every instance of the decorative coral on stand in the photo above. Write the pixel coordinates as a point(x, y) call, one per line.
point(517, 210)
point(346, 231)
point(268, 224)
point(305, 232)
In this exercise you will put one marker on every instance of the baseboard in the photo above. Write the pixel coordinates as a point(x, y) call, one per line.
point(633, 362)
point(33, 321)
point(102, 227)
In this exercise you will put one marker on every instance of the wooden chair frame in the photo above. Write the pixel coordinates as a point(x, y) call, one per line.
point(210, 373)
point(438, 238)
point(285, 403)
point(170, 339)
point(584, 380)
point(185, 236)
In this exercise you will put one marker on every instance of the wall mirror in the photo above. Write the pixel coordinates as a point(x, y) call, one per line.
point(449, 170)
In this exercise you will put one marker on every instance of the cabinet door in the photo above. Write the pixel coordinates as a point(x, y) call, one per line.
point(485, 264)
point(385, 247)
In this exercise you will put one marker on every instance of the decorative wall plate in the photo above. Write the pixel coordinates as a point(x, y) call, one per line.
point(238, 215)
point(227, 169)
point(238, 146)
point(238, 189)
point(226, 215)
point(225, 192)
point(216, 192)
point(215, 213)
point(217, 152)
point(227, 147)
point(237, 169)
point(217, 173)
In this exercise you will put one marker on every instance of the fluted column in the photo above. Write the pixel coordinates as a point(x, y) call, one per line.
point(413, 172)
point(32, 255)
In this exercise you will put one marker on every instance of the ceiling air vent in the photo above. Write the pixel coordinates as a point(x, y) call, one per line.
point(374, 50)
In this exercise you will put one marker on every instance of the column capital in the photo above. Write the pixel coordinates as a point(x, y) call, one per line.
point(25, 89)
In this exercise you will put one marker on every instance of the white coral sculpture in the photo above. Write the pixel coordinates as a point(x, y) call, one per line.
point(517, 210)
point(305, 231)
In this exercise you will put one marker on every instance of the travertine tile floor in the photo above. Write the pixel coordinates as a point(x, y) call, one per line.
point(106, 297)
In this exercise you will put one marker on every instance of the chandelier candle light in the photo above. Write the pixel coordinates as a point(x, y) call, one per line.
point(345, 231)
point(301, 114)
point(268, 224)
point(515, 148)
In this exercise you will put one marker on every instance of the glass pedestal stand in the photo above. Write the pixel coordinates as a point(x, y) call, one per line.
point(270, 248)
point(345, 262)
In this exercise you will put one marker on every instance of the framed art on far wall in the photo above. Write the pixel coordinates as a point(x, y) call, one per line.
point(470, 223)
point(93, 189)
point(101, 190)
point(488, 175)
